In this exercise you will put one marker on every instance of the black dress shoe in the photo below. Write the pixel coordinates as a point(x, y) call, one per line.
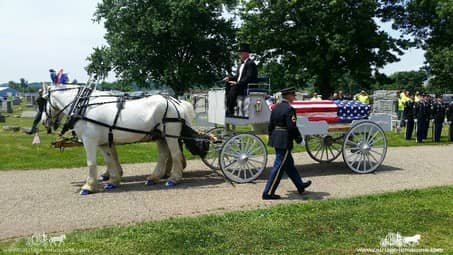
point(270, 197)
point(304, 186)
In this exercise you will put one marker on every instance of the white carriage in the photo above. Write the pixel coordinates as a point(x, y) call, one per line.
point(242, 156)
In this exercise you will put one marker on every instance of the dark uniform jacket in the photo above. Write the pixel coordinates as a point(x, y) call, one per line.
point(409, 110)
point(422, 110)
point(450, 112)
point(282, 127)
point(249, 75)
point(438, 111)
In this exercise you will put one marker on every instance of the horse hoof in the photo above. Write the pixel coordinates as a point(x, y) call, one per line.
point(85, 192)
point(104, 178)
point(149, 183)
point(109, 186)
point(170, 184)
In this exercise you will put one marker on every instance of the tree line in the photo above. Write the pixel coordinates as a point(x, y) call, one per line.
point(327, 45)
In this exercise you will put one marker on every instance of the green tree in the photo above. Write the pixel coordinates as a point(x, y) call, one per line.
point(177, 42)
point(320, 40)
point(99, 63)
point(412, 80)
point(431, 23)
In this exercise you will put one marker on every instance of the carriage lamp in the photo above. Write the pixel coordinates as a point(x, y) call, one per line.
point(258, 105)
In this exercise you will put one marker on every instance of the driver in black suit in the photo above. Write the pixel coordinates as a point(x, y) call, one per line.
point(236, 86)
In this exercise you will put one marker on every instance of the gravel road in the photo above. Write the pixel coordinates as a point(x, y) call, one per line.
point(47, 201)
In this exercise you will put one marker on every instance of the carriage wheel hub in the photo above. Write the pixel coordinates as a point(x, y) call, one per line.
point(365, 147)
point(328, 140)
point(243, 158)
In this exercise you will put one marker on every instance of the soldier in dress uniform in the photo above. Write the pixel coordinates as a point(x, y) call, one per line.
point(450, 121)
point(421, 119)
point(409, 111)
point(428, 114)
point(282, 131)
point(438, 112)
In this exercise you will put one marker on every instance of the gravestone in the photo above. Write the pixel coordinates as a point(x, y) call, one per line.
point(9, 106)
point(28, 114)
point(2, 118)
point(3, 108)
point(30, 98)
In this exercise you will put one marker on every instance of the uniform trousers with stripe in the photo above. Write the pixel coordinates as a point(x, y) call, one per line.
point(284, 162)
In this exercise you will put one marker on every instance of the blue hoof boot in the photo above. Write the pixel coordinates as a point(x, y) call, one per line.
point(85, 192)
point(149, 183)
point(104, 178)
point(170, 184)
point(109, 186)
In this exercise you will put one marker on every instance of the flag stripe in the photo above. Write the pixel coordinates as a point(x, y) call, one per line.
point(332, 111)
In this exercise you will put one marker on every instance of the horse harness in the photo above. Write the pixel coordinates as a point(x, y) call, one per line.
point(81, 102)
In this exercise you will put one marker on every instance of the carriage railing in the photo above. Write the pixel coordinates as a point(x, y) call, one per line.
point(263, 84)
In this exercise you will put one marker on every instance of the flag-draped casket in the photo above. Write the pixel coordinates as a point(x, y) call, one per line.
point(337, 111)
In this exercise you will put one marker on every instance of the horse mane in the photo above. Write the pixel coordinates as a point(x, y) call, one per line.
point(189, 113)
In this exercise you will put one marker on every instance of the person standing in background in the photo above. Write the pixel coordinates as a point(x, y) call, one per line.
point(438, 112)
point(409, 113)
point(420, 119)
point(41, 102)
point(450, 121)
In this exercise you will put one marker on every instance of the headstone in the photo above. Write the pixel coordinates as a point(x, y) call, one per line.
point(383, 120)
point(9, 106)
point(2, 118)
point(28, 114)
point(11, 128)
point(4, 107)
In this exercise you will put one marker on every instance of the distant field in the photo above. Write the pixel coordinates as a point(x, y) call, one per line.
point(336, 226)
point(17, 152)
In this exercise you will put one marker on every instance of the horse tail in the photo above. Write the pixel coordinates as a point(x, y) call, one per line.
point(188, 111)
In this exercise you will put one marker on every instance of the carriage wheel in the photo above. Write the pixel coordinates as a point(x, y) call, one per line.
point(324, 148)
point(243, 158)
point(212, 158)
point(364, 147)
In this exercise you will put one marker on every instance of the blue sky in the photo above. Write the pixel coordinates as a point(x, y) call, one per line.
point(36, 35)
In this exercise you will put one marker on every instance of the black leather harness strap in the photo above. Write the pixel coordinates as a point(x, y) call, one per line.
point(119, 106)
point(81, 103)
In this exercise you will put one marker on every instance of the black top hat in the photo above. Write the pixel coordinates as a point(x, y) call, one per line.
point(286, 91)
point(244, 47)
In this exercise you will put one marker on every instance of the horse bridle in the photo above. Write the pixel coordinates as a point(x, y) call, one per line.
point(48, 110)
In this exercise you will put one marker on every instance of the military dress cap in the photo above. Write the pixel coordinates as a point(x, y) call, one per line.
point(244, 47)
point(290, 90)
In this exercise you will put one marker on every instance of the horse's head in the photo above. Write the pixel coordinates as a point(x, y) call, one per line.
point(55, 106)
point(52, 114)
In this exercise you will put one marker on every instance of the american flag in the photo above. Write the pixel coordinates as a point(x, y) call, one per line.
point(337, 111)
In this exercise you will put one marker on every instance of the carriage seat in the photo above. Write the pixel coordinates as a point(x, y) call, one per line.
point(262, 84)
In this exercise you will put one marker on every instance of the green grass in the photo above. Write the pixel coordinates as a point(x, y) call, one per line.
point(17, 152)
point(337, 226)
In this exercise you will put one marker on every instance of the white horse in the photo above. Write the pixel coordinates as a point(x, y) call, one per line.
point(134, 122)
